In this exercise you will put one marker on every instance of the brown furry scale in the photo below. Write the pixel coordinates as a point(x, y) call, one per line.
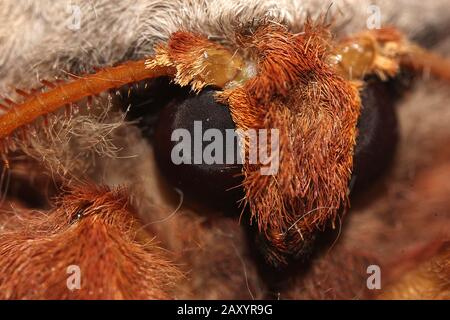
point(92, 227)
point(295, 85)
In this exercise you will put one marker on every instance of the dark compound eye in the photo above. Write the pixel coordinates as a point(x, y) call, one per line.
point(144, 101)
point(218, 184)
point(374, 151)
point(161, 107)
point(210, 171)
point(378, 132)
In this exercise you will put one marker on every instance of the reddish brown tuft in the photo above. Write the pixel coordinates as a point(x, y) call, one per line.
point(92, 228)
point(316, 111)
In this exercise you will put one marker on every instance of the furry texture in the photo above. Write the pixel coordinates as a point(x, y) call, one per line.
point(339, 274)
point(93, 229)
point(295, 86)
point(388, 222)
point(198, 61)
point(208, 247)
point(53, 144)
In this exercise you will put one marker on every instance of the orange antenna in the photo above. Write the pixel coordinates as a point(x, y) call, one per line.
point(59, 95)
point(421, 60)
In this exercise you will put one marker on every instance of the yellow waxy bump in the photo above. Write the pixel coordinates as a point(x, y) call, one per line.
point(220, 66)
point(355, 58)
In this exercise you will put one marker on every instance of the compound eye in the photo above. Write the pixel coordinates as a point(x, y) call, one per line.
point(377, 132)
point(197, 150)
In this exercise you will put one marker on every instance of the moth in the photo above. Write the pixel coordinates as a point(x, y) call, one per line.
point(309, 85)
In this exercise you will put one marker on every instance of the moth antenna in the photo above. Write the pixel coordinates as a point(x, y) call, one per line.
point(22, 93)
point(421, 60)
point(48, 83)
point(81, 87)
point(8, 101)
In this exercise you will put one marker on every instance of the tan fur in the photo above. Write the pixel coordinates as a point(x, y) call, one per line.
point(91, 228)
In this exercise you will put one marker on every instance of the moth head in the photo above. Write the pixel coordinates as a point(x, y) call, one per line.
point(280, 84)
point(293, 98)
